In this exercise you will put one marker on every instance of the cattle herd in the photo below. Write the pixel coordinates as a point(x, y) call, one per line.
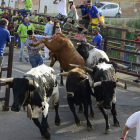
point(39, 84)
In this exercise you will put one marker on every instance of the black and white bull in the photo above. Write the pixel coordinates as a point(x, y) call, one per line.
point(35, 90)
point(79, 92)
point(105, 83)
point(93, 56)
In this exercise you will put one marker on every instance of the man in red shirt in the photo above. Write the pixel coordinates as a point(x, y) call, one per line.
point(137, 47)
point(5, 14)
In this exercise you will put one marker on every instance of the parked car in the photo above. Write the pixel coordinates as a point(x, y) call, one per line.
point(109, 9)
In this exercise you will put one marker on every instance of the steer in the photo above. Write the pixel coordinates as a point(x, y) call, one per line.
point(79, 91)
point(35, 90)
point(92, 57)
point(63, 49)
point(105, 83)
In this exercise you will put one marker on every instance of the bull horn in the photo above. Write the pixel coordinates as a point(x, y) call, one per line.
point(6, 80)
point(84, 76)
point(91, 45)
point(33, 83)
point(85, 68)
point(96, 84)
point(121, 85)
point(63, 74)
point(78, 43)
point(124, 67)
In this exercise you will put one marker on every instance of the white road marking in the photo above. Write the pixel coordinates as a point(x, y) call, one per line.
point(19, 71)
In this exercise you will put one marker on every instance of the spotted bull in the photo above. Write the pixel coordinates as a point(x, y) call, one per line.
point(35, 90)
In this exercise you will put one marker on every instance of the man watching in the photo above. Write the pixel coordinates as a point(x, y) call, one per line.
point(22, 32)
point(4, 36)
point(97, 40)
point(35, 58)
point(85, 16)
point(95, 16)
point(3, 6)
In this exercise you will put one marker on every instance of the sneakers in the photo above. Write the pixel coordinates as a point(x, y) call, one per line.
point(20, 59)
point(136, 81)
point(59, 17)
point(27, 59)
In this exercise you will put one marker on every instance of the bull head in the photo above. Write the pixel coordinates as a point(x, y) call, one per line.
point(79, 43)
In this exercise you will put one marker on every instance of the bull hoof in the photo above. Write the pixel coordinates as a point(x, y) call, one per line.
point(78, 123)
point(107, 131)
point(90, 127)
point(80, 111)
point(45, 138)
point(48, 129)
point(57, 124)
point(117, 124)
point(61, 84)
point(92, 115)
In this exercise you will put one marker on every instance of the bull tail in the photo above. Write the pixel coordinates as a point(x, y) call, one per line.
point(38, 42)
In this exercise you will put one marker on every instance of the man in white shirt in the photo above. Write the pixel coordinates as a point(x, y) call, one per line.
point(61, 10)
point(132, 121)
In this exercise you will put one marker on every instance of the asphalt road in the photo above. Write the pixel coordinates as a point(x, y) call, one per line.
point(16, 126)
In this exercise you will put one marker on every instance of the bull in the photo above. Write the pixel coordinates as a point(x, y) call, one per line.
point(63, 49)
point(105, 83)
point(35, 90)
point(93, 56)
point(79, 92)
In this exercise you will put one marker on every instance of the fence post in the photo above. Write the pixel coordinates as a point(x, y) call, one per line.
point(123, 37)
point(9, 74)
point(105, 42)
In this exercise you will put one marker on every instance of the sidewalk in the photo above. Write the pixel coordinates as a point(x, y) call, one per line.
point(127, 78)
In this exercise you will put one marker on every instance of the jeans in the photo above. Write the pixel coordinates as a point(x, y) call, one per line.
point(16, 37)
point(36, 60)
point(23, 12)
point(22, 49)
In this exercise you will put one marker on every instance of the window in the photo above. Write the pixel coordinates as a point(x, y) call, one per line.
point(114, 6)
point(99, 5)
point(107, 6)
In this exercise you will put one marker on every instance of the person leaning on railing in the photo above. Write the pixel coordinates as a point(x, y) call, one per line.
point(2, 10)
point(22, 32)
point(4, 36)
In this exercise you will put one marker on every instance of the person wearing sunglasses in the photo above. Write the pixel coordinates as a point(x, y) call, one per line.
point(95, 16)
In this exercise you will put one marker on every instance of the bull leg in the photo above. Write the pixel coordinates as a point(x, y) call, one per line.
point(89, 126)
point(44, 132)
point(44, 123)
point(72, 108)
point(57, 119)
point(106, 116)
point(80, 108)
point(61, 82)
point(52, 59)
point(91, 110)
point(113, 110)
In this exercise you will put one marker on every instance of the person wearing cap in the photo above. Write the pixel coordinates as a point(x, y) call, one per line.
point(95, 16)
point(35, 57)
point(132, 122)
point(97, 40)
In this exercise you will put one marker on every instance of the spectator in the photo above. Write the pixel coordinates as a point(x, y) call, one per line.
point(3, 6)
point(11, 10)
point(48, 31)
point(2, 2)
point(5, 14)
point(22, 32)
point(97, 40)
point(61, 10)
point(28, 7)
point(132, 121)
point(4, 36)
point(85, 16)
point(137, 47)
point(95, 16)
point(39, 27)
point(35, 58)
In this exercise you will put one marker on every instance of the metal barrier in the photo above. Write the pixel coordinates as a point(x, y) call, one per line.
point(130, 57)
point(9, 74)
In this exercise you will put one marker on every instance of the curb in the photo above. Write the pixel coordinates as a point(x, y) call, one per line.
point(129, 82)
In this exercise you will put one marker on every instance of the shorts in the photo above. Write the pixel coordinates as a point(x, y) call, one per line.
point(95, 21)
point(85, 22)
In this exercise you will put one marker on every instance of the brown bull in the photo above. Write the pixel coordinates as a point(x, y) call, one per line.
point(63, 49)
